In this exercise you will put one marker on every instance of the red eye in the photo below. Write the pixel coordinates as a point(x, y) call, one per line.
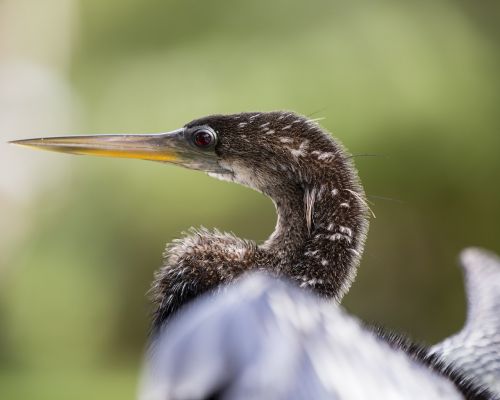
point(203, 138)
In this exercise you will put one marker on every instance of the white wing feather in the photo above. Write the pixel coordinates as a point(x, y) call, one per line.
point(264, 339)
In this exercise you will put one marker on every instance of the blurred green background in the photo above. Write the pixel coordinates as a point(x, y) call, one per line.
point(415, 82)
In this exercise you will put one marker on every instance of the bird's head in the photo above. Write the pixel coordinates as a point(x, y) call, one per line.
point(255, 149)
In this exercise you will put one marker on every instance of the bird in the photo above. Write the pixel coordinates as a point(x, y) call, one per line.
point(322, 211)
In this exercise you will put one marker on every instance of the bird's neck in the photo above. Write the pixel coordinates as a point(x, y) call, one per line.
point(291, 231)
point(318, 240)
point(320, 230)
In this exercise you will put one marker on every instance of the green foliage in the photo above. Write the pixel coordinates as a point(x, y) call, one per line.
point(416, 82)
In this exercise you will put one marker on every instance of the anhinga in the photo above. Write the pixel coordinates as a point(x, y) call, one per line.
point(322, 212)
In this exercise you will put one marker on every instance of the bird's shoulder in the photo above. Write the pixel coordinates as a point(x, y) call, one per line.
point(202, 246)
point(197, 263)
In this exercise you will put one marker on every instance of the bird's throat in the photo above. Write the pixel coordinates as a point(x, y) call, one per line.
point(320, 232)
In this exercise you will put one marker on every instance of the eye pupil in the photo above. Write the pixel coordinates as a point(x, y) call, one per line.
point(203, 138)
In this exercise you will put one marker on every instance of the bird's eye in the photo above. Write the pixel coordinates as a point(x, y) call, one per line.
point(204, 138)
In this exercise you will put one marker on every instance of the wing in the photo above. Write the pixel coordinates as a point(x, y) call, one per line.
point(476, 348)
point(263, 338)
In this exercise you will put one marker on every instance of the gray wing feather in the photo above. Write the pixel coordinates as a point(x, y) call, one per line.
point(476, 348)
point(261, 338)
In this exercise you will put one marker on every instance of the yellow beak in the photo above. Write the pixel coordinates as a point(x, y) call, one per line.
point(156, 147)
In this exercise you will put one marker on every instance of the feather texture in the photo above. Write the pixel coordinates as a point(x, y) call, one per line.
point(261, 338)
point(476, 348)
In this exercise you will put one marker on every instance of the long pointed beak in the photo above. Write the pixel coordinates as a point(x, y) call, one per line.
point(166, 147)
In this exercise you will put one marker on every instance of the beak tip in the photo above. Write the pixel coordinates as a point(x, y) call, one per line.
point(16, 142)
point(21, 142)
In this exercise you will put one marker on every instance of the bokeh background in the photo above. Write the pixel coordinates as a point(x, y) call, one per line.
point(415, 82)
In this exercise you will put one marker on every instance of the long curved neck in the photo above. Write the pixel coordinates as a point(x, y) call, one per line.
point(319, 236)
point(320, 230)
